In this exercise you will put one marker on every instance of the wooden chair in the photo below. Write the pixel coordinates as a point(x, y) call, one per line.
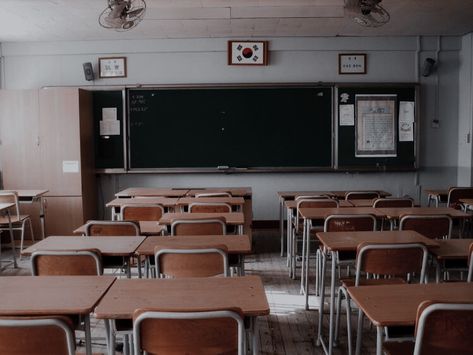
point(213, 194)
point(141, 212)
point(393, 202)
point(36, 336)
point(209, 207)
point(208, 261)
point(80, 262)
point(430, 226)
point(361, 195)
point(199, 226)
point(457, 193)
point(111, 228)
point(18, 220)
point(313, 197)
point(209, 332)
point(442, 328)
point(390, 264)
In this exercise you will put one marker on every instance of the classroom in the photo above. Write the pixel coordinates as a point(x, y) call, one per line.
point(315, 133)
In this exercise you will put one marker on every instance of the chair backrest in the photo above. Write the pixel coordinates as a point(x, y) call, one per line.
point(470, 264)
point(191, 261)
point(11, 197)
point(207, 332)
point(308, 197)
point(393, 202)
point(361, 195)
point(314, 203)
point(214, 194)
point(144, 212)
point(37, 336)
point(112, 228)
point(350, 222)
point(456, 193)
point(430, 226)
point(444, 328)
point(210, 207)
point(391, 260)
point(199, 226)
point(79, 262)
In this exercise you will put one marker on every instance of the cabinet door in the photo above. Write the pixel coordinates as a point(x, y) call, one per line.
point(19, 139)
point(60, 141)
point(63, 214)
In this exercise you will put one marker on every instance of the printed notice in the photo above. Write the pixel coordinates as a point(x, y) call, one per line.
point(109, 113)
point(70, 166)
point(406, 121)
point(347, 115)
point(110, 128)
point(375, 126)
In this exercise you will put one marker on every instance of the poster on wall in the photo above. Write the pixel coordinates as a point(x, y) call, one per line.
point(406, 121)
point(375, 121)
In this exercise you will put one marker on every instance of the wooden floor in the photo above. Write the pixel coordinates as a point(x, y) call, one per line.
point(289, 329)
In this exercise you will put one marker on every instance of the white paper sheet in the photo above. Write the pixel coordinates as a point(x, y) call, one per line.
point(70, 166)
point(347, 115)
point(109, 128)
point(109, 113)
point(406, 121)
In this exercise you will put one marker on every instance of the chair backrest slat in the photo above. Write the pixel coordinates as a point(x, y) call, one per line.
point(361, 195)
point(457, 193)
point(11, 197)
point(210, 207)
point(69, 263)
point(214, 194)
point(393, 202)
point(199, 226)
point(430, 226)
point(350, 222)
point(112, 228)
point(135, 212)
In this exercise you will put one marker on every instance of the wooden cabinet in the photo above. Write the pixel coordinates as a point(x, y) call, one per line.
point(47, 143)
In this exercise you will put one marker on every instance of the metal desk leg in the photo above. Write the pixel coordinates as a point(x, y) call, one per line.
point(240, 229)
point(12, 239)
point(322, 298)
point(328, 348)
point(290, 247)
point(307, 228)
point(138, 264)
point(88, 337)
point(41, 217)
point(303, 264)
point(379, 340)
point(281, 223)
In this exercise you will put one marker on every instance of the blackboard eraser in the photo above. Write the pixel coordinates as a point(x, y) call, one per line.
point(223, 167)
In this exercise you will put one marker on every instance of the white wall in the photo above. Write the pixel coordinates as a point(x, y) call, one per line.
point(190, 61)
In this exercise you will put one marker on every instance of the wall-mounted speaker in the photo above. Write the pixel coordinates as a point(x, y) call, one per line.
point(88, 71)
point(428, 66)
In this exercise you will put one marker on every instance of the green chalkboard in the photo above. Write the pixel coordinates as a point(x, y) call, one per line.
point(405, 151)
point(236, 127)
point(109, 151)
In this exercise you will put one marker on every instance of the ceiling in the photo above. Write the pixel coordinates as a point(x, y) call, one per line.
point(64, 20)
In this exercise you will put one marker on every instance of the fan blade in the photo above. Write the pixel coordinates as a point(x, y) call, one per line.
point(135, 12)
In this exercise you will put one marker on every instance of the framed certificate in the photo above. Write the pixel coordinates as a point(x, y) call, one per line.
point(352, 63)
point(247, 52)
point(112, 67)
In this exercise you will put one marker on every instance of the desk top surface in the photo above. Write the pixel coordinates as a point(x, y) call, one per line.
point(452, 249)
point(292, 204)
point(28, 193)
point(5, 206)
point(151, 191)
point(391, 305)
point(118, 246)
point(322, 213)
point(437, 192)
point(234, 218)
point(165, 201)
point(396, 212)
point(349, 241)
point(146, 228)
point(294, 194)
point(467, 201)
point(184, 294)
point(342, 193)
point(236, 201)
point(46, 295)
point(234, 191)
point(236, 244)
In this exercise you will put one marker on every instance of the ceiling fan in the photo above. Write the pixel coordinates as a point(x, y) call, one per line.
point(368, 13)
point(122, 15)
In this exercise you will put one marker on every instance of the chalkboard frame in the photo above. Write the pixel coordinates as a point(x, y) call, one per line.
point(231, 170)
point(378, 167)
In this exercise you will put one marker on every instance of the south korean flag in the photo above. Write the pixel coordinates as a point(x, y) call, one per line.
point(247, 53)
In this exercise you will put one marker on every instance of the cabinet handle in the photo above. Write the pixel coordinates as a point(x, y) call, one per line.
point(37, 141)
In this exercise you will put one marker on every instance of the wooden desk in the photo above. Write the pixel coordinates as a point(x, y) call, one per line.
point(334, 242)
point(147, 228)
point(396, 305)
point(236, 202)
point(53, 295)
point(151, 191)
point(5, 209)
point(234, 191)
point(117, 203)
point(185, 294)
point(451, 249)
point(363, 203)
point(322, 213)
point(341, 194)
point(232, 218)
point(468, 203)
point(238, 245)
point(396, 212)
point(438, 196)
point(33, 196)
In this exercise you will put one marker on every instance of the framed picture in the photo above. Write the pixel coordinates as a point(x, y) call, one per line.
point(352, 63)
point(248, 53)
point(112, 67)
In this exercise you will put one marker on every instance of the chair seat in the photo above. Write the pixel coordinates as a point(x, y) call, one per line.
point(14, 219)
point(398, 348)
point(350, 282)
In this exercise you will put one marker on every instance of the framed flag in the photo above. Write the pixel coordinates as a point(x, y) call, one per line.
point(248, 53)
